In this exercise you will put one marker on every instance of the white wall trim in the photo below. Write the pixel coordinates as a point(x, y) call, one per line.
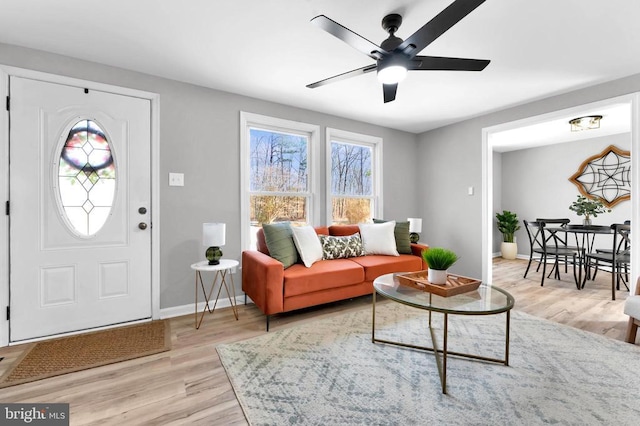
point(248, 119)
point(178, 311)
point(487, 174)
point(154, 98)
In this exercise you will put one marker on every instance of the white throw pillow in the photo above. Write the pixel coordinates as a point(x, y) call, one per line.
point(308, 244)
point(378, 238)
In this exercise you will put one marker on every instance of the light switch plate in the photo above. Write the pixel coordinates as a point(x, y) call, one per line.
point(176, 179)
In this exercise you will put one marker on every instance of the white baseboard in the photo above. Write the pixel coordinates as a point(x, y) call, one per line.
point(178, 311)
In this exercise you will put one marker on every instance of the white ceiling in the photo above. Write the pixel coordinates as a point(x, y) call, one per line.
point(616, 119)
point(269, 49)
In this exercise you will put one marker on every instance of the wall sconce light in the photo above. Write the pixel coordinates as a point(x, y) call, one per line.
point(585, 123)
point(415, 226)
point(213, 236)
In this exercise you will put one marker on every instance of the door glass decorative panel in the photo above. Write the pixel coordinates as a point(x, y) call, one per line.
point(86, 178)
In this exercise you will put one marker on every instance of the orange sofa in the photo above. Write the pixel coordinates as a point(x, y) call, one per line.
point(275, 289)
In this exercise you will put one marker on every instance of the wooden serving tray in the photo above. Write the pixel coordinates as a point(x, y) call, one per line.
point(456, 284)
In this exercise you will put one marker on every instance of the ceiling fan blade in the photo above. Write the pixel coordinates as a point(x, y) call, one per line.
point(429, 63)
point(389, 91)
point(343, 76)
point(433, 29)
point(352, 39)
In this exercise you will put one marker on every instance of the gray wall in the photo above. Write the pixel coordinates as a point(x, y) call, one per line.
point(452, 157)
point(199, 132)
point(535, 183)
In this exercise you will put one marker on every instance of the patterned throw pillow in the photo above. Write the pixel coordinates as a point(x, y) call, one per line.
point(341, 247)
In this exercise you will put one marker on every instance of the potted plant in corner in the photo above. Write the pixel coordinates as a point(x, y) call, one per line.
point(439, 261)
point(586, 207)
point(508, 225)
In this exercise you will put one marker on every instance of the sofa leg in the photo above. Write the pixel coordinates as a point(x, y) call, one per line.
point(268, 323)
point(632, 330)
point(245, 299)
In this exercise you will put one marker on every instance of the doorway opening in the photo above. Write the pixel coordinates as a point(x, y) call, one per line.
point(504, 137)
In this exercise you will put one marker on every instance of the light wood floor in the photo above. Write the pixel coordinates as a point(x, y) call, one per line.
point(188, 385)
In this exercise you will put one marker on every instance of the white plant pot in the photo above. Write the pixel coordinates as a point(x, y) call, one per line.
point(509, 250)
point(436, 276)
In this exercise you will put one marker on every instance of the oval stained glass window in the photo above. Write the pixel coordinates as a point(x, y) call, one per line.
point(86, 178)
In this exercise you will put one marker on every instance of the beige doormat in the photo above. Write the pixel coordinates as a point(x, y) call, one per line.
point(83, 351)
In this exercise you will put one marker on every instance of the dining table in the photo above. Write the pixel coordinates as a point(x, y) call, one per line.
point(585, 239)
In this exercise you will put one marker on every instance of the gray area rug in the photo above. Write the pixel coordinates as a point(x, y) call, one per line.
point(329, 373)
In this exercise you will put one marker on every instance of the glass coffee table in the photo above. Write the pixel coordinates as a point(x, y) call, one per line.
point(486, 300)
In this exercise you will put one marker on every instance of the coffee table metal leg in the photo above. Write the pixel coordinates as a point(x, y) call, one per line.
point(441, 363)
point(506, 348)
point(373, 319)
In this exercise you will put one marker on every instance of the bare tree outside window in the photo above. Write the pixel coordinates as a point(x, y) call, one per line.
point(351, 183)
point(278, 177)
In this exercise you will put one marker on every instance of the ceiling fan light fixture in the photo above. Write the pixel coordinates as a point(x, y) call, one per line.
point(392, 74)
point(588, 122)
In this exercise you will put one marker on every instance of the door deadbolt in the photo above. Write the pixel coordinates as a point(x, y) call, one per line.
point(142, 225)
point(142, 210)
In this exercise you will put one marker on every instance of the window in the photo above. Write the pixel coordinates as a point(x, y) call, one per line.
point(86, 178)
point(354, 190)
point(278, 173)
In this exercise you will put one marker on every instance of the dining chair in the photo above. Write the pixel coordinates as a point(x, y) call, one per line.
point(632, 308)
point(618, 257)
point(604, 250)
point(547, 248)
point(560, 236)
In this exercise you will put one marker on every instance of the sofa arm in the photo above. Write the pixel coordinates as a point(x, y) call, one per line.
point(416, 250)
point(263, 281)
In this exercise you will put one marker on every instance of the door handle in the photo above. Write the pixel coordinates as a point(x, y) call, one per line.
point(142, 225)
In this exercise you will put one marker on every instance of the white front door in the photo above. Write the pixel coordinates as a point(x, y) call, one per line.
point(80, 195)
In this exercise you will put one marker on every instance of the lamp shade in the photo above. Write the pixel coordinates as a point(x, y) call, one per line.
point(415, 224)
point(213, 234)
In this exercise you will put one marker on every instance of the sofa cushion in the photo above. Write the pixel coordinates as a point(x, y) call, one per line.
point(632, 306)
point(401, 234)
point(341, 247)
point(378, 238)
point(322, 275)
point(308, 244)
point(279, 239)
point(343, 230)
point(374, 266)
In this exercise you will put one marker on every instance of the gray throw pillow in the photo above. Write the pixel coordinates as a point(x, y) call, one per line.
point(401, 234)
point(279, 239)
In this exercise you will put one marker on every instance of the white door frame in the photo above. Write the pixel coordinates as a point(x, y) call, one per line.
point(487, 175)
point(154, 98)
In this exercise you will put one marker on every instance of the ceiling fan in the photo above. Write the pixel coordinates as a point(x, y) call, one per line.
point(394, 57)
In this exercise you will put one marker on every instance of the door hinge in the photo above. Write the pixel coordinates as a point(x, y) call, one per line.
point(6, 208)
point(8, 103)
point(8, 313)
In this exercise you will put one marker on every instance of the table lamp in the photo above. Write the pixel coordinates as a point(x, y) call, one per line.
point(213, 237)
point(415, 226)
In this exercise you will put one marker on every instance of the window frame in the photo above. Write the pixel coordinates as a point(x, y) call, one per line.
point(373, 142)
point(311, 131)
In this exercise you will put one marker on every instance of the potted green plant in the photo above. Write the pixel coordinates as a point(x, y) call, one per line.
point(508, 224)
point(439, 261)
point(588, 207)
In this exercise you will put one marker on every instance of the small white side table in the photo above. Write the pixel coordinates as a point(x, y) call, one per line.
point(221, 270)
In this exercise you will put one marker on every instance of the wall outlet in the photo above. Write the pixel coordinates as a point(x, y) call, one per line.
point(176, 179)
